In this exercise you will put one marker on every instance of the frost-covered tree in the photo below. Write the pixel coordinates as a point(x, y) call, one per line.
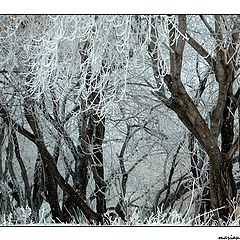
point(60, 76)
point(215, 39)
point(90, 96)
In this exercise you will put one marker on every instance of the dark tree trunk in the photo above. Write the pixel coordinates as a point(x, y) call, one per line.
point(37, 188)
point(227, 132)
point(98, 160)
point(52, 195)
point(222, 187)
point(95, 134)
point(23, 170)
point(227, 135)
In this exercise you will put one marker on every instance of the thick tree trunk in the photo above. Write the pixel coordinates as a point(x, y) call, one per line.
point(221, 179)
point(52, 195)
point(227, 186)
point(222, 187)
